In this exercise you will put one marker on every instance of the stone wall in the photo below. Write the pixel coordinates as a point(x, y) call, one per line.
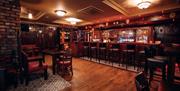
point(9, 26)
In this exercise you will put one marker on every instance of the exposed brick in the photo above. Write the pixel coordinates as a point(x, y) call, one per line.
point(9, 25)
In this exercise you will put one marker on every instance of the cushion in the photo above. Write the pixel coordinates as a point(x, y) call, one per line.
point(155, 60)
point(33, 58)
point(64, 62)
point(34, 66)
point(161, 57)
point(128, 51)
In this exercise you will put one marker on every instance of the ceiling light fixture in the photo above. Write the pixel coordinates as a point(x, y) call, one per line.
point(60, 12)
point(73, 20)
point(143, 4)
point(30, 16)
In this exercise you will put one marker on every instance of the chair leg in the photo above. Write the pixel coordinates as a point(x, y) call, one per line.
point(71, 70)
point(21, 78)
point(151, 75)
point(164, 72)
point(134, 63)
point(45, 74)
point(26, 79)
point(15, 81)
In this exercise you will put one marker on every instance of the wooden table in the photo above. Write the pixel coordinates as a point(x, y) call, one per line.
point(54, 54)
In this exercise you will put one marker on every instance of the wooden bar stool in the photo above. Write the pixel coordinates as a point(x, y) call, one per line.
point(114, 54)
point(154, 62)
point(93, 51)
point(157, 62)
point(140, 57)
point(86, 49)
point(129, 55)
point(102, 51)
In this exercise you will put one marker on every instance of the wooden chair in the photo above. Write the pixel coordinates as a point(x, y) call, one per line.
point(32, 64)
point(64, 63)
point(11, 69)
point(141, 82)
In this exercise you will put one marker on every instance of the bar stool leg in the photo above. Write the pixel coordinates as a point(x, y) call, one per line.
point(164, 72)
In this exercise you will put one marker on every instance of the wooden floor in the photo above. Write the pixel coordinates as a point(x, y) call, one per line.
point(90, 76)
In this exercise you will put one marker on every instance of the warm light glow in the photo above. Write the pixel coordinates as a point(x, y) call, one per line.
point(30, 28)
point(60, 12)
point(143, 4)
point(73, 20)
point(73, 23)
point(40, 31)
point(30, 16)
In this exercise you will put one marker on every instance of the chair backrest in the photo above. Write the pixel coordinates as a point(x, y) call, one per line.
point(141, 82)
point(130, 47)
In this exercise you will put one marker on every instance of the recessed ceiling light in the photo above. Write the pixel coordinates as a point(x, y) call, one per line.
point(60, 12)
point(73, 20)
point(30, 16)
point(143, 4)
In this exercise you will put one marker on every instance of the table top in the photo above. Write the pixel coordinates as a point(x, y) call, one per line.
point(53, 52)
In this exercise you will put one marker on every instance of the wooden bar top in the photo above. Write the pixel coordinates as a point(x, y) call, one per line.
point(136, 43)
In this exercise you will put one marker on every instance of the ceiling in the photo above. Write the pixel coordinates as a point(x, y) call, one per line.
point(90, 11)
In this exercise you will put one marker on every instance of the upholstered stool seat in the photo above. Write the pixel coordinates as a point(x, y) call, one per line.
point(157, 62)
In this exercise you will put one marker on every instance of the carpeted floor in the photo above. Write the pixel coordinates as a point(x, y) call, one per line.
point(54, 83)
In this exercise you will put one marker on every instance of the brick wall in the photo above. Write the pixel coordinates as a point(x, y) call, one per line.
point(9, 25)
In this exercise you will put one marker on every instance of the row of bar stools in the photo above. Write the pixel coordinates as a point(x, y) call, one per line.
point(114, 54)
point(102, 51)
point(129, 55)
point(93, 50)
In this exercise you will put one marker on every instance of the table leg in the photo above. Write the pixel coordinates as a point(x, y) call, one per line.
point(171, 70)
point(2, 79)
point(54, 64)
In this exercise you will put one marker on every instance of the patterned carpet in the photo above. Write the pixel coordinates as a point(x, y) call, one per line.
point(54, 83)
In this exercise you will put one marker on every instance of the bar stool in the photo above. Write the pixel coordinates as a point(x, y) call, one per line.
point(114, 54)
point(141, 57)
point(154, 62)
point(129, 55)
point(93, 51)
point(86, 49)
point(157, 62)
point(102, 51)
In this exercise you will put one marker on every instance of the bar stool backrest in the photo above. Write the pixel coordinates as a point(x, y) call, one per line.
point(102, 45)
point(93, 44)
point(131, 47)
point(86, 44)
point(116, 46)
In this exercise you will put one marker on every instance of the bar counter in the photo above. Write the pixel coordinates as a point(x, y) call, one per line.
point(78, 46)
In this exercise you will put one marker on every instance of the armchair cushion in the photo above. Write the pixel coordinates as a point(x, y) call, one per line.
point(64, 62)
point(34, 58)
point(34, 66)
